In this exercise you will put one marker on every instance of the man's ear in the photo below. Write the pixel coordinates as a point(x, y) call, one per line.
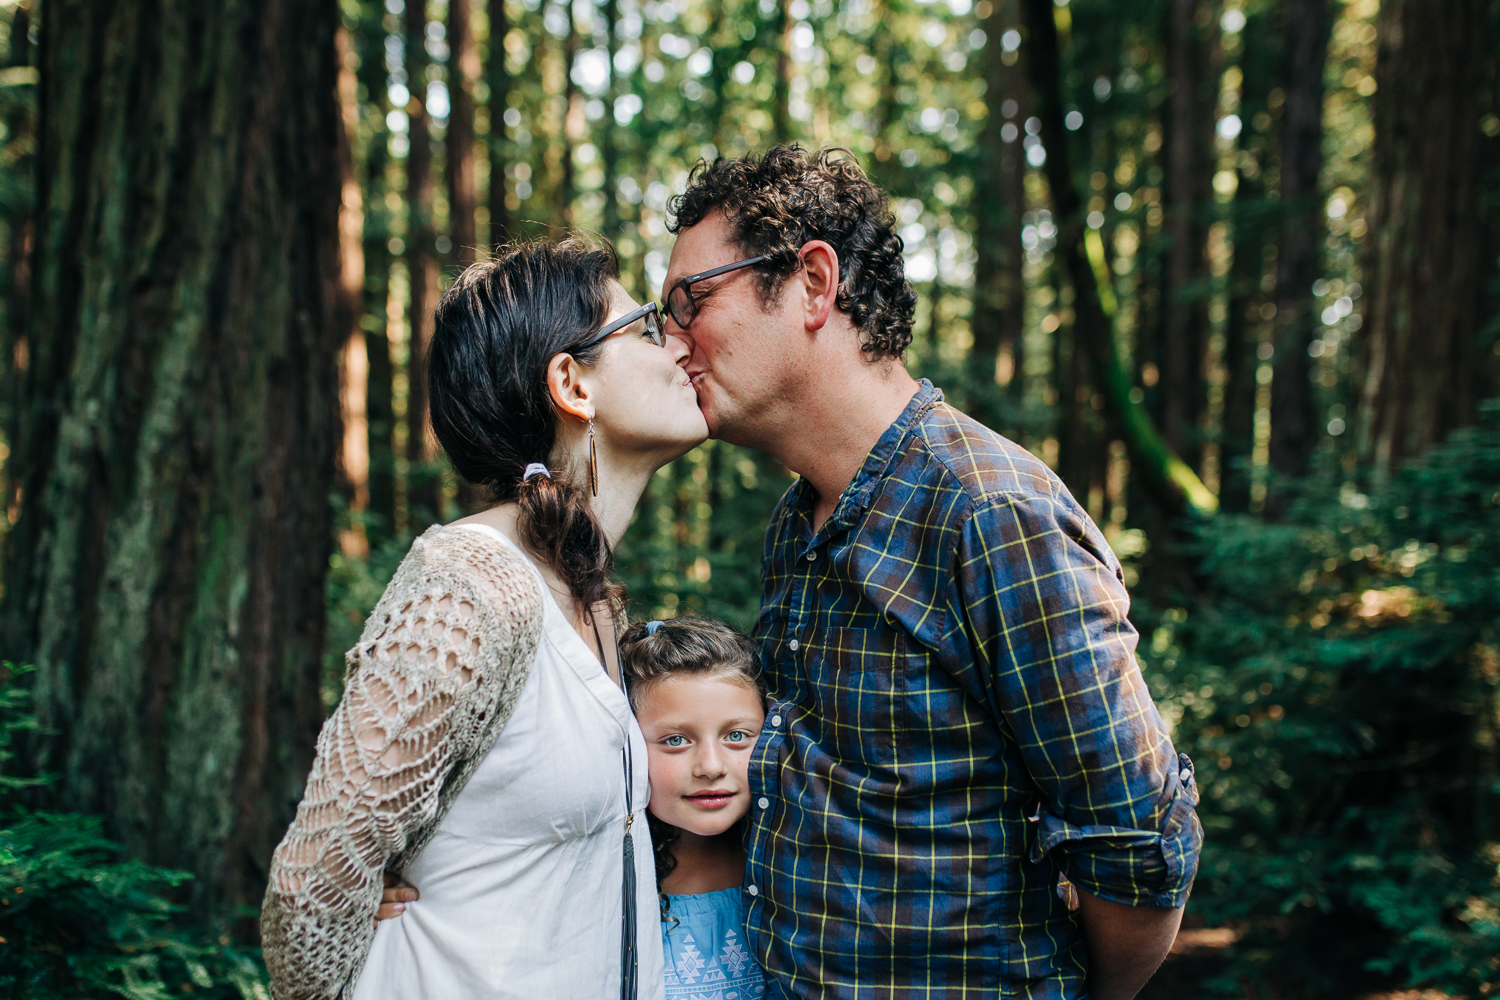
point(565, 384)
point(820, 276)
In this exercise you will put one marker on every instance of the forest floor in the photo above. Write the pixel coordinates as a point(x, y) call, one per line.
point(1197, 956)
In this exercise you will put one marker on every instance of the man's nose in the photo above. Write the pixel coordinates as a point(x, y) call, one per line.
point(681, 346)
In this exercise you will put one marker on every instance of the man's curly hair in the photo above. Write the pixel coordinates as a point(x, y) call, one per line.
point(788, 197)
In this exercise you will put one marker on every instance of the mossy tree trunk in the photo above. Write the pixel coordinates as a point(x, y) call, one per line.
point(178, 422)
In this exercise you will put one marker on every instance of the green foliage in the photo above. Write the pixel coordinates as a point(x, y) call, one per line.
point(1338, 682)
point(81, 919)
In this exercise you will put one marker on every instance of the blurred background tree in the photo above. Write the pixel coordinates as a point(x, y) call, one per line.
point(1231, 267)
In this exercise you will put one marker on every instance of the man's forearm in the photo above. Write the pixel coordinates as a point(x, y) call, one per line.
point(1126, 944)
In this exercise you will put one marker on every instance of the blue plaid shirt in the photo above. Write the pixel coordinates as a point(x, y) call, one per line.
point(957, 731)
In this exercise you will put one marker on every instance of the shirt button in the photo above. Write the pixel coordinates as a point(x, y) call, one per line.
point(775, 720)
point(793, 645)
point(1185, 775)
point(753, 890)
point(812, 556)
point(763, 802)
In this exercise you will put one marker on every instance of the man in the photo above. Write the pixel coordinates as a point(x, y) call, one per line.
point(958, 742)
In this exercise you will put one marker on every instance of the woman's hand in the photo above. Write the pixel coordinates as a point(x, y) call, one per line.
point(394, 899)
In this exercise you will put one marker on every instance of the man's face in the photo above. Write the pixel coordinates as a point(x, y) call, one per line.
point(743, 352)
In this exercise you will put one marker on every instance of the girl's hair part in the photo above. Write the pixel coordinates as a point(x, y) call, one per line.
point(496, 331)
point(682, 647)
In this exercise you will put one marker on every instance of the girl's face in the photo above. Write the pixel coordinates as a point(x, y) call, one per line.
point(700, 731)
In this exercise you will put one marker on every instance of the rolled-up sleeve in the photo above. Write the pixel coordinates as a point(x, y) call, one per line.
point(1047, 615)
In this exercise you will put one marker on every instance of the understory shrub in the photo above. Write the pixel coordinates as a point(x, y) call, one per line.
point(81, 919)
point(1337, 679)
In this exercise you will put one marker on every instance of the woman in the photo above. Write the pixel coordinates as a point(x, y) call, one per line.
point(483, 748)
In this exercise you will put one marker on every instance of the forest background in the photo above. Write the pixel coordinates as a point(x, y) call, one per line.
point(1231, 267)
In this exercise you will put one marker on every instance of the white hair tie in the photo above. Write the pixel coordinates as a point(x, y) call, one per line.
point(535, 469)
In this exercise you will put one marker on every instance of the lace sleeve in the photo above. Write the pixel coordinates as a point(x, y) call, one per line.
point(433, 679)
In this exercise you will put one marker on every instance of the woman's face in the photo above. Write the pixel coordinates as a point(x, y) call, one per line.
point(645, 405)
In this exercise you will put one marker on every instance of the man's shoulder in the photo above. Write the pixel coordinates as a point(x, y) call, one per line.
point(984, 464)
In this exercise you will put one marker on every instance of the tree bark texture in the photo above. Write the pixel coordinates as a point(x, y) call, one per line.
point(18, 118)
point(781, 91)
point(609, 140)
point(1424, 255)
point(572, 122)
point(1174, 486)
point(1000, 201)
point(1193, 58)
point(1251, 221)
point(1305, 41)
point(179, 421)
point(498, 78)
point(458, 158)
point(423, 493)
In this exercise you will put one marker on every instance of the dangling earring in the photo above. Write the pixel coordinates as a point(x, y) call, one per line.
point(593, 461)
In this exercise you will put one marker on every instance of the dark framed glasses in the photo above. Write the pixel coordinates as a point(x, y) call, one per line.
point(681, 305)
point(653, 332)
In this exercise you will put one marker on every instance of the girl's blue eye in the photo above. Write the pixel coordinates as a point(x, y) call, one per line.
point(675, 741)
point(737, 736)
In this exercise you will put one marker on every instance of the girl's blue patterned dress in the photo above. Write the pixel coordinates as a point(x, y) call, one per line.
point(705, 955)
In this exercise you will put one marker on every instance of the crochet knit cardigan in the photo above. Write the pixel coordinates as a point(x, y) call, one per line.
point(427, 690)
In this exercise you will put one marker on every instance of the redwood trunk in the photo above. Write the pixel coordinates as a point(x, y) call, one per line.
point(498, 78)
point(1424, 253)
point(1000, 201)
point(1293, 434)
point(1192, 66)
point(423, 494)
point(178, 423)
point(458, 159)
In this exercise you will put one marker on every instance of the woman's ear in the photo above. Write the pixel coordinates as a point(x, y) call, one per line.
point(820, 275)
point(565, 384)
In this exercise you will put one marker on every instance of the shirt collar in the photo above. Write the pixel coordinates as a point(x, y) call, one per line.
point(856, 495)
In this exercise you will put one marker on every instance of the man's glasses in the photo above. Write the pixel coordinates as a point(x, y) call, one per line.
point(653, 332)
point(681, 305)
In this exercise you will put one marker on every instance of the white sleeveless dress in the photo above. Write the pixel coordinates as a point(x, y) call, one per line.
point(520, 885)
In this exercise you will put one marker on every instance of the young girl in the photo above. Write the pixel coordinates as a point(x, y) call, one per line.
point(695, 690)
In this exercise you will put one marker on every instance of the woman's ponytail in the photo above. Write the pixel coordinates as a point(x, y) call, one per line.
point(496, 331)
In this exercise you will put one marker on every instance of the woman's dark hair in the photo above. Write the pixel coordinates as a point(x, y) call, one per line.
point(692, 647)
point(788, 197)
point(496, 330)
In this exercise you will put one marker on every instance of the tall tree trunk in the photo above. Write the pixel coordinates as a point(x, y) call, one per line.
point(379, 393)
point(458, 158)
point(423, 493)
point(179, 422)
point(354, 367)
point(781, 88)
point(19, 132)
point(1174, 486)
point(498, 78)
point(1250, 218)
point(1424, 253)
point(1193, 72)
point(609, 145)
point(999, 312)
point(1305, 40)
point(572, 123)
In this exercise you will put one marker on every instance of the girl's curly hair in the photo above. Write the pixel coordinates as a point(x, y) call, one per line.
point(788, 197)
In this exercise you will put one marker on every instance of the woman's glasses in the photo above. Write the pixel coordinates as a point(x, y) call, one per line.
point(681, 305)
point(653, 332)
